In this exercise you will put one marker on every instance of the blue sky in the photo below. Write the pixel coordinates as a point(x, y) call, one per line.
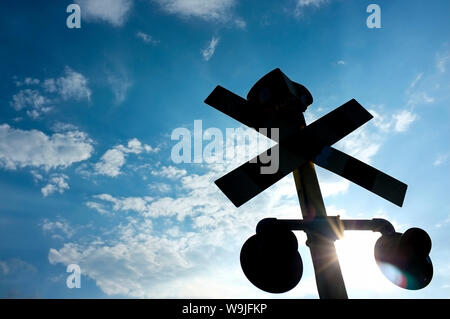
point(86, 117)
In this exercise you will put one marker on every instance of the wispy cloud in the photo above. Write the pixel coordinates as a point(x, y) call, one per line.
point(59, 228)
point(415, 81)
point(27, 81)
point(444, 222)
point(441, 61)
point(72, 85)
point(441, 159)
point(403, 119)
point(207, 10)
point(136, 204)
point(303, 4)
point(398, 122)
point(170, 172)
point(240, 23)
point(111, 162)
point(40, 100)
point(419, 98)
point(416, 94)
point(31, 100)
point(98, 207)
point(160, 187)
point(57, 183)
point(146, 38)
point(113, 12)
point(208, 52)
point(341, 62)
point(14, 266)
point(119, 84)
point(360, 144)
point(380, 121)
point(214, 233)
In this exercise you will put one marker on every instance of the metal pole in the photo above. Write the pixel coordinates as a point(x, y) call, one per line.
point(330, 283)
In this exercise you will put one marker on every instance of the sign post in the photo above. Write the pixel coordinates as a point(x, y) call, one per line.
point(330, 283)
point(329, 280)
point(270, 259)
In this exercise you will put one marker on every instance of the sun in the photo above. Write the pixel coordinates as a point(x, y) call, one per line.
point(362, 276)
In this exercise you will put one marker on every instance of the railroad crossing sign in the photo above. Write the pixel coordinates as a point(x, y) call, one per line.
point(277, 102)
point(270, 258)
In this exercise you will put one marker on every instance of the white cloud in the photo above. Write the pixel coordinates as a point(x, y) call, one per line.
point(302, 4)
point(341, 62)
point(441, 159)
point(112, 161)
point(136, 147)
point(28, 81)
point(135, 204)
point(240, 23)
point(57, 183)
point(441, 62)
point(380, 121)
point(160, 187)
point(207, 10)
point(98, 207)
point(399, 121)
point(71, 85)
point(31, 100)
point(36, 176)
point(146, 38)
point(197, 258)
point(416, 94)
point(147, 262)
point(113, 12)
point(419, 98)
point(416, 80)
point(305, 3)
point(208, 52)
point(170, 172)
point(403, 119)
point(360, 144)
point(60, 127)
point(21, 148)
point(334, 187)
point(143, 261)
point(58, 229)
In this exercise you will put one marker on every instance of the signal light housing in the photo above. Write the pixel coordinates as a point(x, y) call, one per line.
point(404, 260)
point(270, 259)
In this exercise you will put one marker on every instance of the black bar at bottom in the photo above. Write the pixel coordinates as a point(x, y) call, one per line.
point(173, 308)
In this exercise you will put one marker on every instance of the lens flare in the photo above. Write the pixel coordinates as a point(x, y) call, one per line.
point(394, 274)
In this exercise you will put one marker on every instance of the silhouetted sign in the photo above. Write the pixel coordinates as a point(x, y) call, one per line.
point(277, 102)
